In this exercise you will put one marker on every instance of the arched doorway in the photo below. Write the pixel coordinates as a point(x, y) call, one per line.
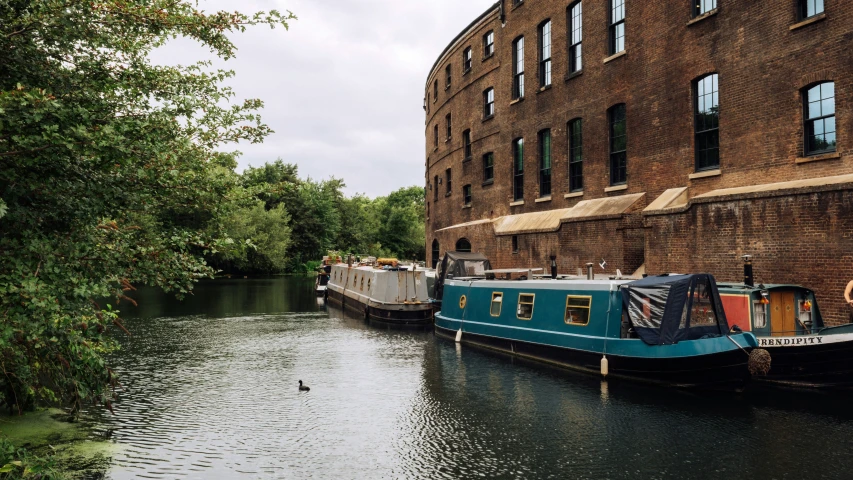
point(463, 245)
point(435, 252)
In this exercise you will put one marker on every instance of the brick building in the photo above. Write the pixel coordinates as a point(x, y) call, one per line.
point(674, 135)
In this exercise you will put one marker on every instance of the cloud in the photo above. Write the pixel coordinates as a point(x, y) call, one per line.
point(344, 87)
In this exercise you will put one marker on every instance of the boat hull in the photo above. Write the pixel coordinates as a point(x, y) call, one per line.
point(725, 370)
point(813, 361)
point(394, 314)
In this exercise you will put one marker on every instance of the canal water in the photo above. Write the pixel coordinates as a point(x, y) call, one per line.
point(210, 392)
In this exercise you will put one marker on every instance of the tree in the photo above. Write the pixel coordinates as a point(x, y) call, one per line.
point(112, 174)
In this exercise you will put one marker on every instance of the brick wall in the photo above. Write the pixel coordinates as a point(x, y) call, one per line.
point(762, 64)
point(801, 239)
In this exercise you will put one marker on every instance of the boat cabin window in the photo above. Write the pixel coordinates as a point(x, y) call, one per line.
point(368, 284)
point(497, 301)
point(760, 315)
point(525, 306)
point(703, 314)
point(577, 310)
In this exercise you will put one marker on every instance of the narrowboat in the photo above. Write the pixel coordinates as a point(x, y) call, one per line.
point(388, 294)
point(786, 321)
point(669, 330)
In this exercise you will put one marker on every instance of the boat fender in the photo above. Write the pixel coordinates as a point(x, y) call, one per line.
point(366, 313)
point(759, 362)
point(459, 336)
point(605, 367)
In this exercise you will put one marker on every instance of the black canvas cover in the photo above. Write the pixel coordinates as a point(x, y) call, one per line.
point(667, 309)
point(460, 264)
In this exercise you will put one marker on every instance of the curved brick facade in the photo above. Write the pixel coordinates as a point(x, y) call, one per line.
point(764, 56)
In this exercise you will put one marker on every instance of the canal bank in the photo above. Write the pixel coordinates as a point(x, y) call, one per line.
point(211, 392)
point(45, 442)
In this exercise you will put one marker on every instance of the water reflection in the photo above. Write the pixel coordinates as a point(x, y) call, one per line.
point(211, 392)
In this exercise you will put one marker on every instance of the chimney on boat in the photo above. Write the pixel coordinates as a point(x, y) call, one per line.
point(589, 274)
point(748, 278)
point(553, 266)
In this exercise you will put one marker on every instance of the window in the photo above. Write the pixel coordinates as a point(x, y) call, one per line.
point(489, 44)
point(618, 145)
point(435, 253)
point(467, 60)
point(448, 121)
point(577, 310)
point(515, 244)
point(707, 123)
point(435, 91)
point(760, 317)
point(488, 167)
point(701, 7)
point(819, 103)
point(576, 155)
point(518, 169)
point(517, 2)
point(435, 189)
point(617, 26)
point(518, 68)
point(435, 135)
point(809, 8)
point(466, 144)
point(489, 103)
point(466, 195)
point(497, 301)
point(447, 77)
point(545, 163)
point(575, 37)
point(545, 54)
point(447, 173)
point(525, 306)
point(463, 245)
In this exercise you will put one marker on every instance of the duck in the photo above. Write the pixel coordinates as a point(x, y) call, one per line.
point(303, 388)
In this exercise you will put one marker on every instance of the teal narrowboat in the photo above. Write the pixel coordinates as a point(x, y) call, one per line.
point(667, 330)
point(787, 322)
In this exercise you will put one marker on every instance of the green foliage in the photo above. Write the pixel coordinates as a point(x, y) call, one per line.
point(112, 173)
point(17, 463)
point(262, 238)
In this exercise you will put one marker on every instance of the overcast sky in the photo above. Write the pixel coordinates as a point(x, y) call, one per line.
point(344, 87)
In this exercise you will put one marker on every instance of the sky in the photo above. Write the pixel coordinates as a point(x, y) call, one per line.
point(343, 87)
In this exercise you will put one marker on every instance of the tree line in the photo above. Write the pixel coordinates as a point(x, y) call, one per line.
point(293, 223)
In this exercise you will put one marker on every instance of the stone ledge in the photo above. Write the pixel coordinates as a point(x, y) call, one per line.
point(573, 195)
point(808, 21)
point(517, 100)
point(544, 89)
point(543, 199)
point(616, 188)
point(615, 56)
point(574, 75)
point(770, 190)
point(705, 15)
point(818, 158)
point(705, 174)
point(516, 204)
point(466, 206)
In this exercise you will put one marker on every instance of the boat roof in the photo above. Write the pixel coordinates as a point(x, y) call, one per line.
point(540, 284)
point(767, 286)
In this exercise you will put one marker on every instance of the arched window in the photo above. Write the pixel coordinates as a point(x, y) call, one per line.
point(435, 253)
point(545, 163)
point(819, 115)
point(545, 53)
point(463, 245)
point(618, 145)
point(576, 155)
point(518, 68)
point(706, 122)
point(518, 169)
